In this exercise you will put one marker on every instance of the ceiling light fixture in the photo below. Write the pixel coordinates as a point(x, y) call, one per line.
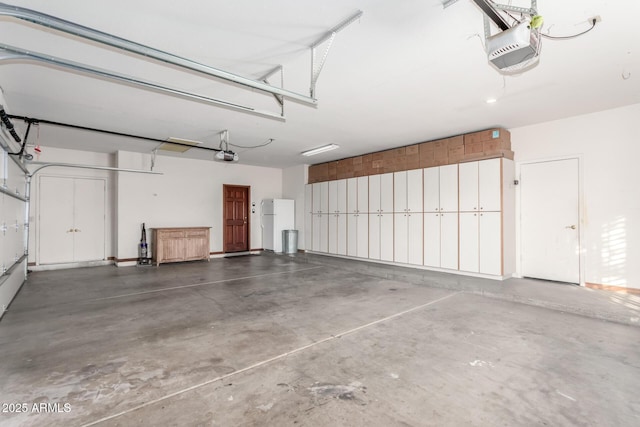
point(491, 101)
point(319, 150)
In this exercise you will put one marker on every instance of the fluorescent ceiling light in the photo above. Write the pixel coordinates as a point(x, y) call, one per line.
point(178, 145)
point(491, 100)
point(319, 150)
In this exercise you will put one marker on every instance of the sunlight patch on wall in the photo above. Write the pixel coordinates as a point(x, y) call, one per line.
point(614, 252)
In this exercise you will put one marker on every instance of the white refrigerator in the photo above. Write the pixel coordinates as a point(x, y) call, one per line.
point(276, 215)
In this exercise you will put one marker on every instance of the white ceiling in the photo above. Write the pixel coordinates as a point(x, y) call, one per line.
point(407, 71)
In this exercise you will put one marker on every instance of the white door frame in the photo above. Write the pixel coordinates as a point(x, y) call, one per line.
point(581, 245)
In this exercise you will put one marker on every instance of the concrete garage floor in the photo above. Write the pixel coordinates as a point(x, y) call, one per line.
point(314, 341)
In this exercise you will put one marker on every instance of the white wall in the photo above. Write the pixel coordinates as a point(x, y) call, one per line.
point(610, 148)
point(189, 193)
point(293, 182)
point(77, 157)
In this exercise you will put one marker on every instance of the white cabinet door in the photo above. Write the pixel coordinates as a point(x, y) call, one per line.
point(469, 187)
point(333, 233)
point(490, 179)
point(308, 198)
point(363, 236)
point(490, 235)
point(341, 206)
point(414, 239)
point(400, 242)
point(352, 234)
point(448, 188)
point(386, 237)
point(431, 186)
point(333, 197)
point(324, 197)
point(414, 190)
point(352, 195)
point(316, 230)
point(449, 240)
point(308, 231)
point(89, 218)
point(341, 219)
point(400, 192)
point(469, 244)
point(386, 193)
point(374, 235)
point(432, 239)
point(324, 232)
point(363, 194)
point(374, 193)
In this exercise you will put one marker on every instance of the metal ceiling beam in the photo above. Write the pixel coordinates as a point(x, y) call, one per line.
point(488, 7)
point(12, 53)
point(78, 30)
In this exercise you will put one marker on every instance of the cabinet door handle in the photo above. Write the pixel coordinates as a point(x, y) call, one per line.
point(573, 227)
point(70, 230)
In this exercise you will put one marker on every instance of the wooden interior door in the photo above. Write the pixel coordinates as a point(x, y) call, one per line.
point(236, 218)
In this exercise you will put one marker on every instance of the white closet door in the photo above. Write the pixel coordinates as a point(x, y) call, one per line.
point(324, 197)
point(431, 186)
point(89, 218)
point(386, 237)
point(352, 234)
point(333, 233)
point(469, 244)
point(374, 235)
point(490, 236)
point(363, 194)
point(308, 231)
point(489, 191)
point(449, 240)
point(400, 192)
point(333, 197)
point(414, 190)
point(374, 193)
point(55, 220)
point(469, 187)
point(308, 198)
point(315, 240)
point(432, 239)
point(386, 193)
point(414, 238)
point(341, 220)
point(9, 236)
point(400, 243)
point(352, 195)
point(341, 206)
point(324, 232)
point(363, 236)
point(316, 197)
point(448, 188)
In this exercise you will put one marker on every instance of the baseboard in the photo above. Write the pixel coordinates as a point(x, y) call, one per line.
point(622, 289)
point(66, 265)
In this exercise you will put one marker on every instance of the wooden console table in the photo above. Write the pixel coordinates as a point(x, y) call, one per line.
point(178, 244)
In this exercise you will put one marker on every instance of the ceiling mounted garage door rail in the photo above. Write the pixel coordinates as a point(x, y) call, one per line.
point(130, 46)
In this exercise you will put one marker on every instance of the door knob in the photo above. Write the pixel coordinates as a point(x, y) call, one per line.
point(573, 227)
point(75, 230)
point(70, 230)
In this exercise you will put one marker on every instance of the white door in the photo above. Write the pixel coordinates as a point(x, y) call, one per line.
point(341, 186)
point(374, 194)
point(352, 195)
point(341, 248)
point(374, 235)
point(448, 188)
point(400, 244)
point(432, 239)
point(490, 236)
point(432, 190)
point(489, 185)
point(363, 194)
point(352, 234)
point(71, 224)
point(469, 187)
point(449, 240)
point(414, 190)
point(386, 237)
point(316, 197)
point(363, 236)
point(549, 220)
point(333, 197)
point(308, 216)
point(469, 243)
point(386, 193)
point(414, 238)
point(400, 192)
point(324, 197)
point(333, 233)
point(324, 232)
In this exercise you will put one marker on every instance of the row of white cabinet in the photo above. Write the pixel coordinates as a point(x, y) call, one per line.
point(468, 187)
point(448, 217)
